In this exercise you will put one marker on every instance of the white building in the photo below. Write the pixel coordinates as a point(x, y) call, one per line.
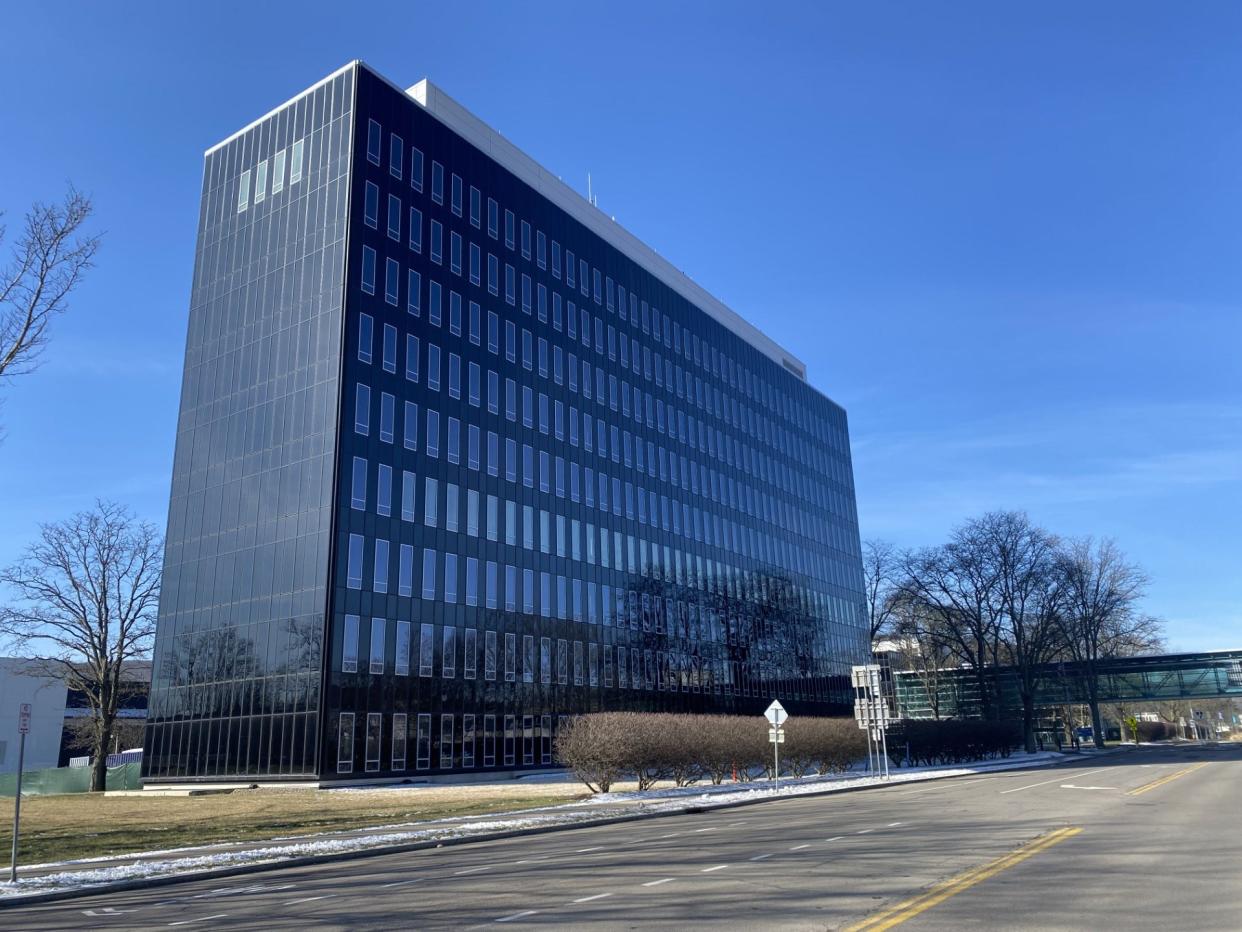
point(27, 681)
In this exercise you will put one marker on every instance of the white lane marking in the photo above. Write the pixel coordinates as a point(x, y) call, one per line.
point(698, 830)
point(865, 831)
point(585, 850)
point(895, 824)
point(310, 899)
point(799, 847)
point(186, 922)
point(587, 899)
point(542, 857)
point(718, 867)
point(1031, 786)
point(734, 824)
point(671, 835)
point(107, 911)
point(402, 883)
point(762, 857)
point(525, 912)
point(473, 870)
point(835, 838)
point(656, 883)
point(1071, 786)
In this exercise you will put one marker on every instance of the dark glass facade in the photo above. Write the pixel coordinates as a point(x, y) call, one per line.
point(539, 479)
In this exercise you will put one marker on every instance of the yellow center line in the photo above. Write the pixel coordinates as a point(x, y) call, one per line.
point(908, 909)
point(1169, 778)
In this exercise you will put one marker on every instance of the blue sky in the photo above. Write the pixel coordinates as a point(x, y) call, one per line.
point(1004, 236)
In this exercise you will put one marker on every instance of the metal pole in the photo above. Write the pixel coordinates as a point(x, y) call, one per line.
point(884, 738)
point(17, 807)
point(776, 761)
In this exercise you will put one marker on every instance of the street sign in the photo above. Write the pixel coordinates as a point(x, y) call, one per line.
point(776, 735)
point(23, 718)
point(776, 714)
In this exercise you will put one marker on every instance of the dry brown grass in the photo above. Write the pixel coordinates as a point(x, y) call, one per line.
point(82, 825)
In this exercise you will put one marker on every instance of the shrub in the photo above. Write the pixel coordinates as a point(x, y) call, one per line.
point(602, 747)
point(1157, 731)
point(597, 748)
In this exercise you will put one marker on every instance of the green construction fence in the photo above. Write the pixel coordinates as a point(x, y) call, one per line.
point(54, 780)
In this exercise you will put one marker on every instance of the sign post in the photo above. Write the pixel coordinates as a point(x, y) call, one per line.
point(776, 715)
point(23, 728)
point(872, 711)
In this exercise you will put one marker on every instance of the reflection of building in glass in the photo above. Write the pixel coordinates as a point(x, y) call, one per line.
point(457, 456)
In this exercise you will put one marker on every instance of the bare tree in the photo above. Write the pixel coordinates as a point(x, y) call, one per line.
point(881, 564)
point(1100, 620)
point(48, 261)
point(1028, 587)
point(87, 594)
point(955, 584)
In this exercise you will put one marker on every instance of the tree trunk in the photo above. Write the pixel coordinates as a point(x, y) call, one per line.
point(1093, 703)
point(1028, 721)
point(99, 765)
point(1097, 724)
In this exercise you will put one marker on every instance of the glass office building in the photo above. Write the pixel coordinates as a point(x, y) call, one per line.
point(458, 456)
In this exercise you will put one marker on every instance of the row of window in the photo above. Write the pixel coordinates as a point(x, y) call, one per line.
point(549, 661)
point(478, 733)
point(600, 288)
point(653, 367)
point(292, 155)
point(594, 488)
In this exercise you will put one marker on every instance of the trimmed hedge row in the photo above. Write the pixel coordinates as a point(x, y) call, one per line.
point(1159, 731)
point(951, 741)
point(604, 747)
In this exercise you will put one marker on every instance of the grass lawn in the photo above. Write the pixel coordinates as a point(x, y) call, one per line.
point(83, 825)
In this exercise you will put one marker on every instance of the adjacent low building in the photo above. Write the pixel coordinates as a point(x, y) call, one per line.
point(457, 457)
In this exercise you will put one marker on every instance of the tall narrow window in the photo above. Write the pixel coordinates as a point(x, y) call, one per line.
point(374, 733)
point(380, 575)
point(358, 486)
point(396, 155)
point(345, 744)
point(243, 191)
point(448, 653)
point(398, 741)
point(467, 740)
point(392, 278)
point(260, 182)
point(437, 182)
point(349, 645)
point(422, 748)
point(374, 137)
point(370, 205)
point(353, 568)
point(416, 169)
point(278, 172)
point(394, 217)
point(366, 327)
point(426, 649)
point(446, 742)
point(383, 491)
point(402, 666)
point(368, 270)
point(378, 630)
point(295, 164)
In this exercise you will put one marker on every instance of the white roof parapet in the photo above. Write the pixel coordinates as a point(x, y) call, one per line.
point(457, 118)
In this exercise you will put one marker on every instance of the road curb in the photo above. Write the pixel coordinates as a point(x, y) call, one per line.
point(122, 886)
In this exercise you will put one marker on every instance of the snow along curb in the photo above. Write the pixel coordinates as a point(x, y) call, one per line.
point(696, 806)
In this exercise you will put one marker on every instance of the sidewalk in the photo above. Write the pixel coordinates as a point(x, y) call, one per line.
point(68, 878)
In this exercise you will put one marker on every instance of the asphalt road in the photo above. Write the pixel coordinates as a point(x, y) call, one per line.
point(1146, 839)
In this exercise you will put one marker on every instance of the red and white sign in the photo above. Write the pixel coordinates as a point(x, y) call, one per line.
point(23, 718)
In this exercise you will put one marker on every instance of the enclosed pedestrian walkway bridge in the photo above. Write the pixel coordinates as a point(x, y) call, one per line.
point(956, 693)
